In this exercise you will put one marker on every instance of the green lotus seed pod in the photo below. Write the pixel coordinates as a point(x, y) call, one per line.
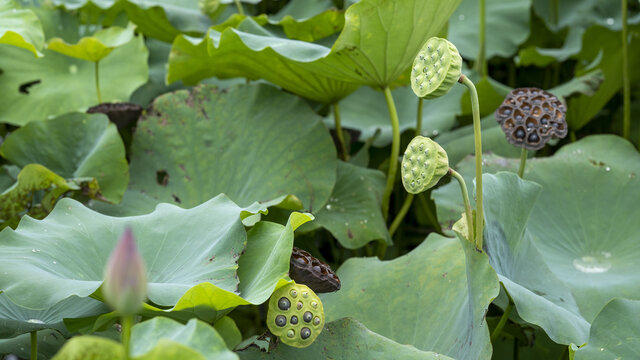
point(424, 163)
point(209, 7)
point(436, 69)
point(295, 315)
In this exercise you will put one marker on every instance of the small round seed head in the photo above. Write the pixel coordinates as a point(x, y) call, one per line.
point(426, 163)
point(530, 117)
point(442, 68)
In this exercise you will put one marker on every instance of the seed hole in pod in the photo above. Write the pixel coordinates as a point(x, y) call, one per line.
point(531, 122)
point(407, 177)
point(307, 316)
point(305, 333)
point(544, 120)
point(520, 92)
point(505, 111)
point(294, 320)
point(426, 164)
point(293, 293)
point(537, 100)
point(525, 106)
point(546, 106)
point(284, 304)
point(559, 126)
point(413, 184)
point(533, 138)
point(536, 111)
point(281, 320)
point(559, 115)
point(316, 321)
point(299, 305)
point(423, 175)
point(509, 123)
point(521, 98)
point(518, 115)
point(291, 333)
point(544, 130)
point(510, 101)
point(520, 133)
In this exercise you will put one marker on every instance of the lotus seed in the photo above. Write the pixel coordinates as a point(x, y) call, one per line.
point(299, 305)
point(314, 304)
point(291, 333)
point(305, 333)
point(316, 321)
point(284, 303)
point(307, 316)
point(294, 320)
point(281, 320)
point(293, 293)
point(520, 134)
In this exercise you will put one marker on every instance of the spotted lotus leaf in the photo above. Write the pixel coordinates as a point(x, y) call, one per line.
point(424, 163)
point(436, 68)
point(295, 315)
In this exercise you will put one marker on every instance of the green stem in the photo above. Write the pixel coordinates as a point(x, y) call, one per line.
point(338, 126)
point(523, 161)
point(34, 345)
point(572, 136)
point(127, 323)
point(395, 152)
point(401, 214)
point(554, 9)
point(503, 320)
point(239, 6)
point(626, 85)
point(419, 119)
point(475, 107)
point(465, 197)
point(97, 73)
point(481, 63)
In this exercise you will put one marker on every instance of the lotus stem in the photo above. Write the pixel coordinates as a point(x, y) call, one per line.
point(465, 197)
point(503, 321)
point(523, 161)
point(481, 62)
point(97, 74)
point(127, 323)
point(34, 345)
point(338, 125)
point(395, 152)
point(626, 85)
point(239, 6)
point(475, 107)
point(419, 119)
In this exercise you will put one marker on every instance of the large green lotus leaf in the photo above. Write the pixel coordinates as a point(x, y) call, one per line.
point(382, 37)
point(162, 338)
point(16, 320)
point(49, 342)
point(366, 111)
point(31, 87)
point(74, 145)
point(605, 47)
point(433, 298)
point(506, 22)
point(294, 65)
point(352, 214)
point(96, 47)
point(345, 339)
point(540, 297)
point(75, 243)
point(615, 332)
point(581, 13)
point(252, 142)
point(20, 27)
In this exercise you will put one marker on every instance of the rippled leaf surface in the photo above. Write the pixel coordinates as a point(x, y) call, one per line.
point(433, 298)
point(345, 339)
point(20, 27)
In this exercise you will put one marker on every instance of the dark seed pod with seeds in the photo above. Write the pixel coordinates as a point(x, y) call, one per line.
point(306, 269)
point(530, 117)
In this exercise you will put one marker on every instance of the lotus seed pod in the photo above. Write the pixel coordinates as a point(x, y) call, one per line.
point(424, 163)
point(209, 7)
point(306, 269)
point(530, 117)
point(299, 325)
point(436, 68)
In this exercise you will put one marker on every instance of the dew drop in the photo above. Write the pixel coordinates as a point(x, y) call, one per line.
point(593, 264)
point(73, 69)
point(610, 21)
point(54, 262)
point(607, 169)
point(328, 207)
point(35, 321)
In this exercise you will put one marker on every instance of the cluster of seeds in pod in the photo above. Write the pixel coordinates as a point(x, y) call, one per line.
point(436, 68)
point(295, 315)
point(424, 163)
point(306, 269)
point(530, 117)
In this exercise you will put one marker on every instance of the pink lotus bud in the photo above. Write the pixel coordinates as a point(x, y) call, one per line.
point(125, 278)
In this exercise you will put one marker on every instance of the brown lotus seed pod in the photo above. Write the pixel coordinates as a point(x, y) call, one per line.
point(530, 117)
point(317, 275)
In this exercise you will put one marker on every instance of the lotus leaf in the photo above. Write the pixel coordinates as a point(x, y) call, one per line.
point(20, 27)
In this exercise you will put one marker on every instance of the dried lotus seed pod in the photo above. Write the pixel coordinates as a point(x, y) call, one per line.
point(295, 315)
point(306, 269)
point(530, 117)
point(436, 68)
point(424, 163)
